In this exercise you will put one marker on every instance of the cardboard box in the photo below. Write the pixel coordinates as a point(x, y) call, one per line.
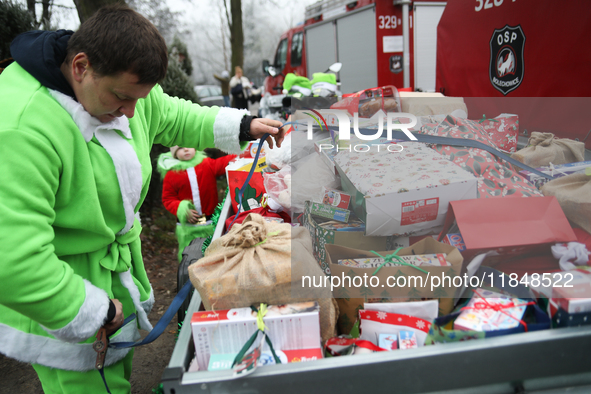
point(336, 198)
point(454, 239)
point(382, 288)
point(508, 226)
point(572, 292)
point(330, 212)
point(556, 171)
point(388, 341)
point(434, 259)
point(290, 327)
point(236, 173)
point(321, 236)
point(405, 193)
point(407, 340)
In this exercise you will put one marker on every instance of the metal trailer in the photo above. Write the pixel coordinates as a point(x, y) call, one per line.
point(549, 361)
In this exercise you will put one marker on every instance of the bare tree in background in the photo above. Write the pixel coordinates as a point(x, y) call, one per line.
point(234, 18)
point(88, 7)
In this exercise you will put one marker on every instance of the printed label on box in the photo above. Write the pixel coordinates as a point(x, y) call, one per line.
point(330, 212)
point(456, 240)
point(419, 211)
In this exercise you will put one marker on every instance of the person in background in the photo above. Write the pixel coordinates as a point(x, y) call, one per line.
point(225, 84)
point(86, 108)
point(240, 88)
point(189, 191)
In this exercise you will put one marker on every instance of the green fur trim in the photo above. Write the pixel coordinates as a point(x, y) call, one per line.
point(167, 163)
point(181, 211)
point(291, 79)
point(215, 218)
point(324, 77)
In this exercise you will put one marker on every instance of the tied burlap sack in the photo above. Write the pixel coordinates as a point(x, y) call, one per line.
point(544, 148)
point(573, 193)
point(252, 263)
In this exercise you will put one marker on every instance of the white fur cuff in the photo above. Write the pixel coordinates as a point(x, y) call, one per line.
point(89, 319)
point(226, 129)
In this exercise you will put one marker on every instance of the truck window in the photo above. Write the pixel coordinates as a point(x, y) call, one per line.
point(281, 55)
point(296, 49)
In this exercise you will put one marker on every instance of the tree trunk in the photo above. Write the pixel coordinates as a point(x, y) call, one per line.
point(88, 7)
point(236, 34)
point(45, 15)
point(31, 9)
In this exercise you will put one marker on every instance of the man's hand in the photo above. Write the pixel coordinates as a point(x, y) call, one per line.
point(260, 126)
point(117, 321)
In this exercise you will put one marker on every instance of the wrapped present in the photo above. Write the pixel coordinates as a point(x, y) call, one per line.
point(503, 131)
point(403, 193)
point(490, 311)
point(496, 177)
point(557, 171)
point(374, 323)
point(443, 331)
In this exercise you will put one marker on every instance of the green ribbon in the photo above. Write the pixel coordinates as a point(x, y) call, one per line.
point(394, 256)
point(272, 233)
point(260, 314)
point(485, 119)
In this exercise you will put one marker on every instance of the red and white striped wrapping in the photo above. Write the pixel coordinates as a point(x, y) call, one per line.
point(374, 323)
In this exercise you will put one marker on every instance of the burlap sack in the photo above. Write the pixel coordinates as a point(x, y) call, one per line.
point(573, 193)
point(253, 264)
point(544, 148)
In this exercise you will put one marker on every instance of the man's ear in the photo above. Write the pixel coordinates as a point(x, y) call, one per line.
point(80, 66)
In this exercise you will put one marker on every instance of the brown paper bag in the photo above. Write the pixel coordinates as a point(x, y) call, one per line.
point(573, 193)
point(253, 264)
point(544, 148)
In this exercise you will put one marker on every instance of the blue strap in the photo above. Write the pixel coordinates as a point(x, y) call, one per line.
point(432, 139)
point(162, 323)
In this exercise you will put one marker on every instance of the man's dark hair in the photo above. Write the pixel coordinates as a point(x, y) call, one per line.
point(118, 39)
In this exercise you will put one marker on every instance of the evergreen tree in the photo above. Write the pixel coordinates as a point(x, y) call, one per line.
point(177, 82)
point(14, 20)
point(182, 55)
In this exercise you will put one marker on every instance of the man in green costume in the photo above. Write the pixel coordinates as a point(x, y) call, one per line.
point(80, 112)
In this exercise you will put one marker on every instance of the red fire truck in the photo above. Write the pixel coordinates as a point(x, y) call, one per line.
point(528, 57)
point(379, 42)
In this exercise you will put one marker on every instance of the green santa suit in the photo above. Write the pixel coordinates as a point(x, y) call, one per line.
point(185, 231)
point(69, 229)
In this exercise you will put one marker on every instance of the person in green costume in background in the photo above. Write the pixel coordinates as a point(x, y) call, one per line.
point(85, 107)
point(189, 191)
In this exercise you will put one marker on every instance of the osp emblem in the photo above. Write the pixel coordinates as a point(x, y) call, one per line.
point(506, 58)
